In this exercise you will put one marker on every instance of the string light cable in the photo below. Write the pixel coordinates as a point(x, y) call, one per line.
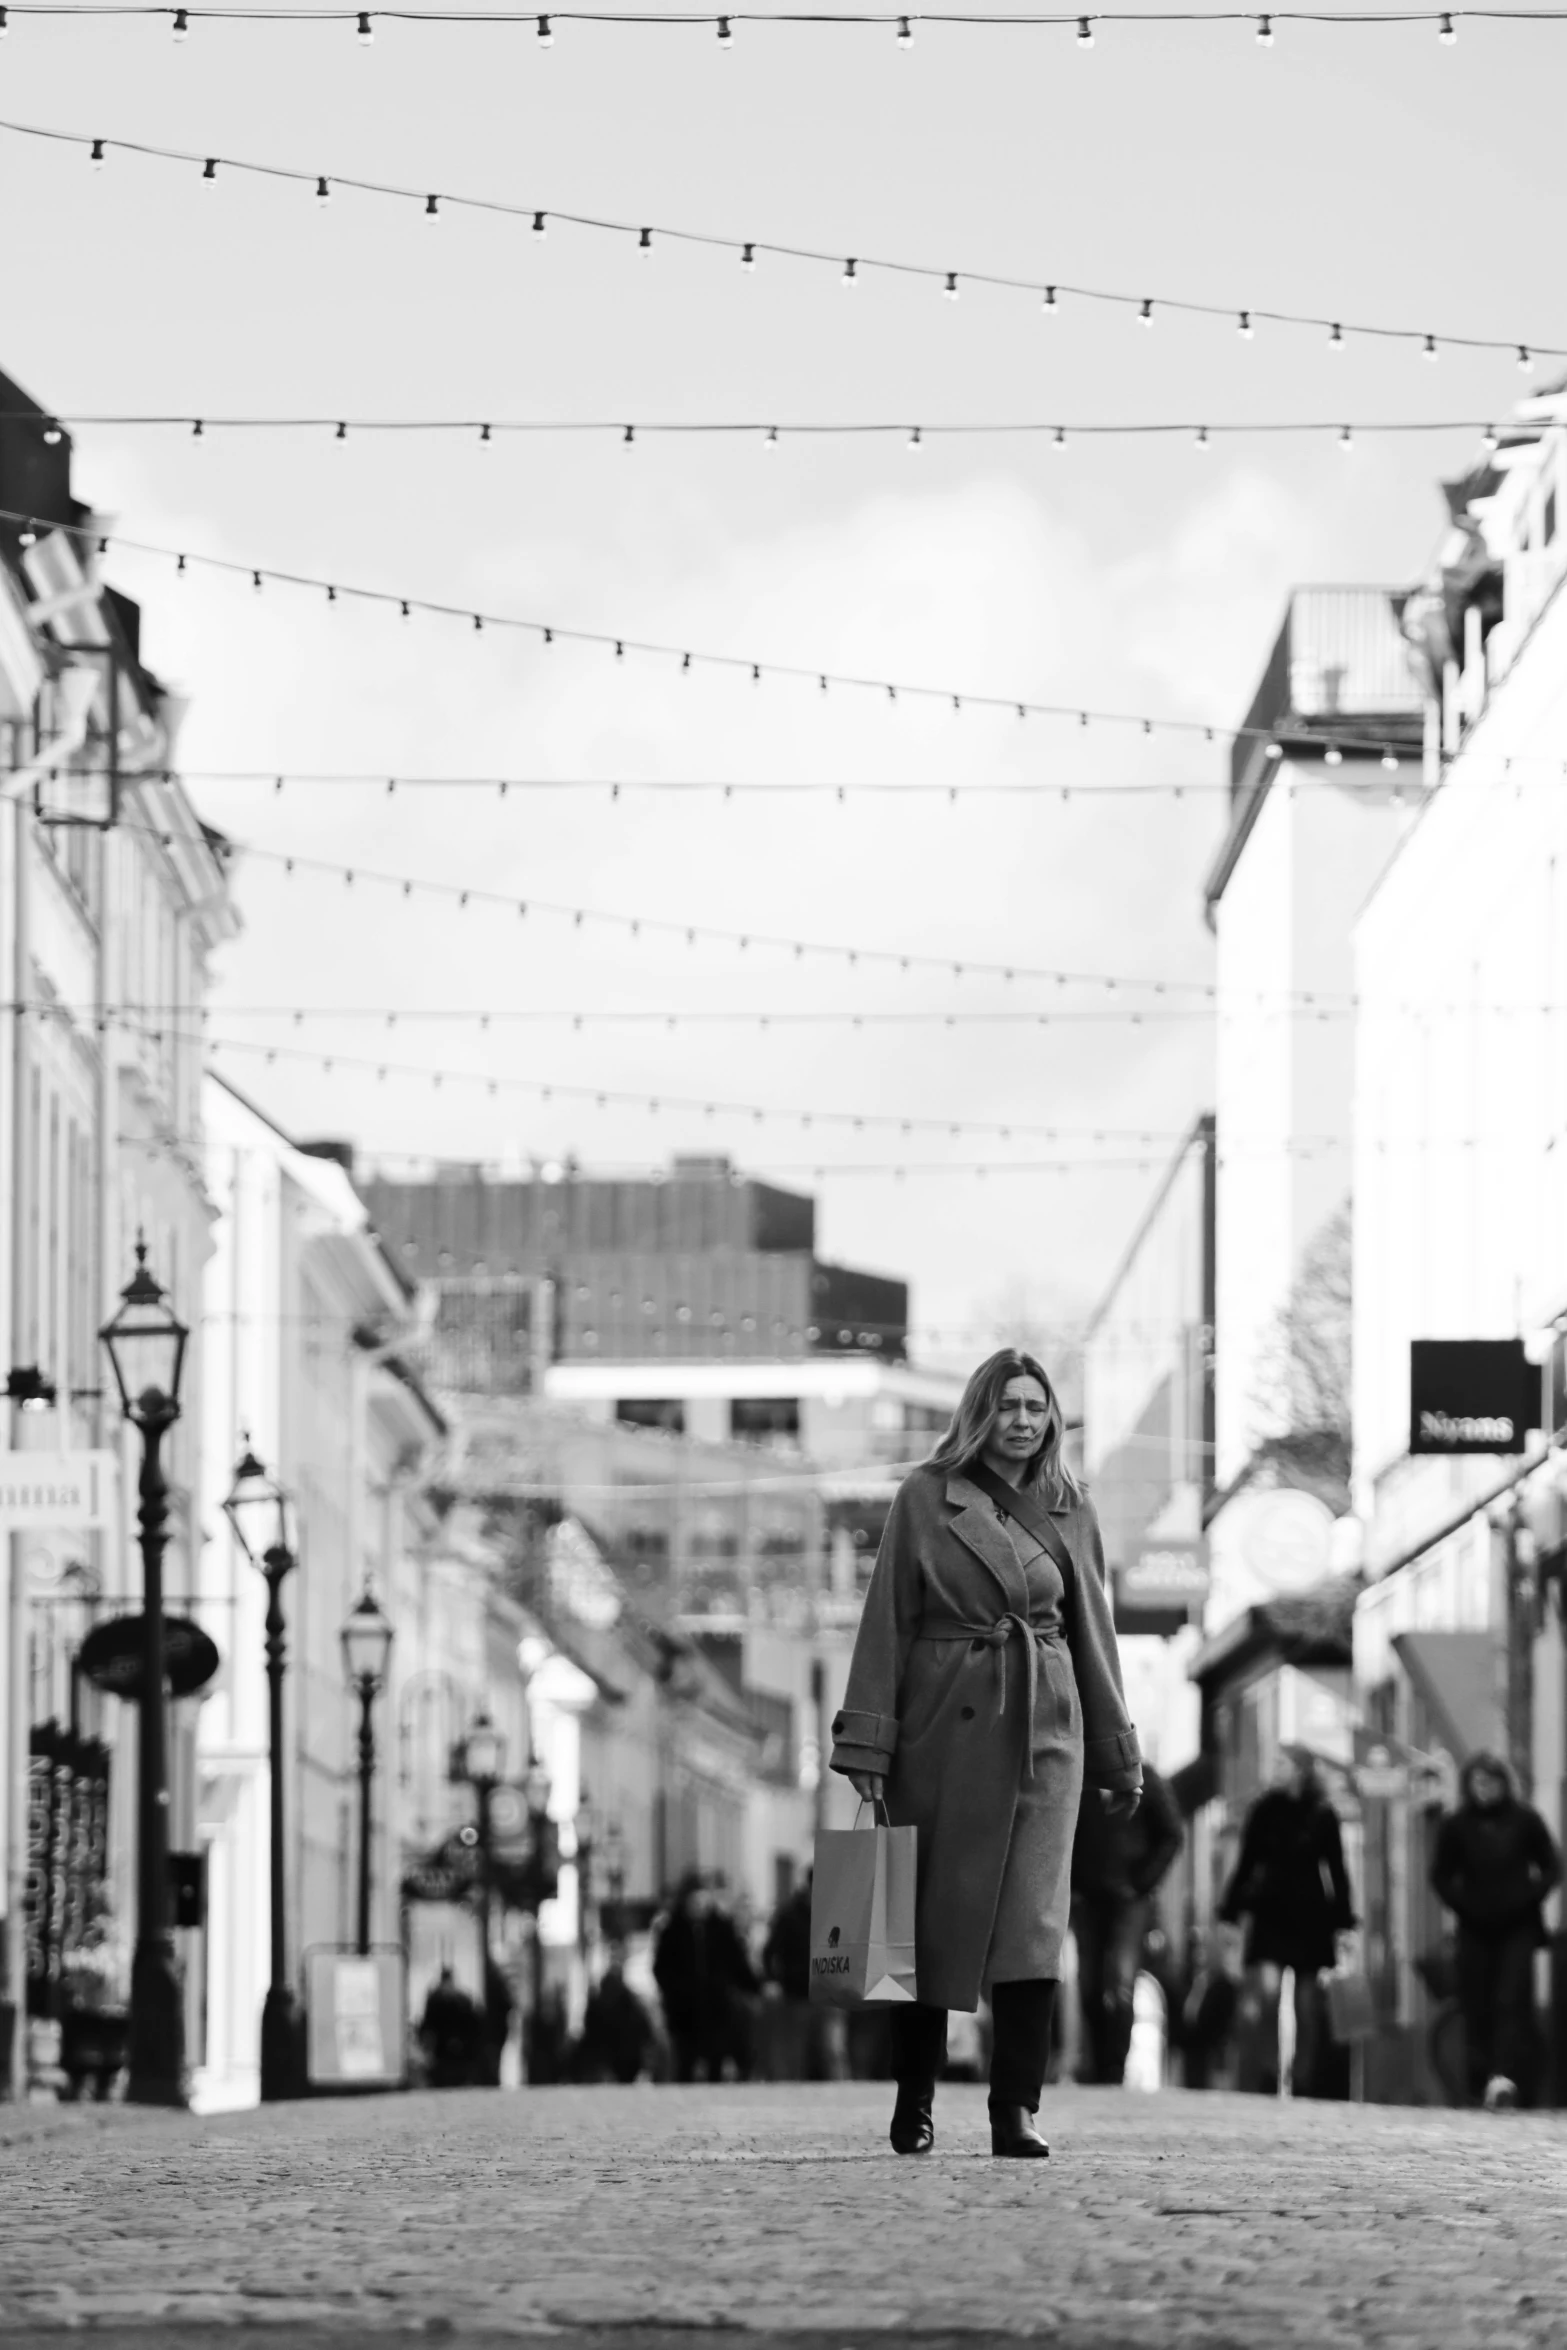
point(766, 434)
point(96, 543)
point(432, 206)
point(542, 24)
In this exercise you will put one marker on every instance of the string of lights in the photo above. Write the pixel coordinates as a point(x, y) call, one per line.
point(483, 1020)
point(852, 269)
point(97, 542)
point(1444, 21)
point(341, 430)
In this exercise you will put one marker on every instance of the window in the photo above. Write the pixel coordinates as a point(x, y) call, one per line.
point(762, 1418)
point(652, 1411)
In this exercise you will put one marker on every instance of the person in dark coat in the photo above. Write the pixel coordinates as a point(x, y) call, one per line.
point(451, 2033)
point(618, 2039)
point(705, 1977)
point(1494, 1864)
point(1118, 1864)
point(985, 1687)
point(1291, 1887)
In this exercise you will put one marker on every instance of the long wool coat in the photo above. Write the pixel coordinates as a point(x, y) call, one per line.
point(937, 1701)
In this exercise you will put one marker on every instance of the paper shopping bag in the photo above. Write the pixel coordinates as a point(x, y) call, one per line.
point(862, 1916)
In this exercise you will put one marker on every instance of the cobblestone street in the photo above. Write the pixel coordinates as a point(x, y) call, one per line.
point(779, 2215)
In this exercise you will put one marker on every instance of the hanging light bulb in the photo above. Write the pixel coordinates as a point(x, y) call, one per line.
point(432, 208)
point(27, 536)
point(1145, 314)
point(198, 430)
point(770, 441)
point(1243, 326)
point(96, 157)
point(181, 25)
point(323, 191)
point(1333, 756)
point(1051, 305)
point(850, 274)
point(629, 437)
point(1447, 31)
point(5, 24)
point(53, 436)
point(1428, 347)
point(209, 171)
point(484, 436)
point(914, 443)
point(726, 39)
point(342, 433)
point(1335, 337)
point(1525, 360)
point(748, 257)
point(1085, 33)
point(1202, 437)
point(951, 287)
point(645, 241)
point(1060, 440)
point(1390, 761)
point(1265, 32)
point(1346, 440)
point(366, 29)
point(255, 581)
point(1492, 437)
point(546, 33)
point(905, 33)
point(540, 227)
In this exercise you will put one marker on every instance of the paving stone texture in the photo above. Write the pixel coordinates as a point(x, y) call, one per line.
point(779, 2215)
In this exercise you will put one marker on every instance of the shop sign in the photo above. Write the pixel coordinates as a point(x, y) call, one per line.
point(1381, 1774)
point(111, 1656)
point(355, 2010)
point(50, 1492)
point(446, 1874)
point(1166, 1574)
point(1472, 1395)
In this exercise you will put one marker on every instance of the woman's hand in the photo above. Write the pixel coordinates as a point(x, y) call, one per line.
point(869, 1786)
point(1121, 1802)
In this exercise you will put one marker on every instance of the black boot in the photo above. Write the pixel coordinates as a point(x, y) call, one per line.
point(919, 2050)
point(1020, 2051)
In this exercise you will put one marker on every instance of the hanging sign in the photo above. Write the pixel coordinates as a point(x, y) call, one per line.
point(111, 1656)
point(53, 1492)
point(1470, 1395)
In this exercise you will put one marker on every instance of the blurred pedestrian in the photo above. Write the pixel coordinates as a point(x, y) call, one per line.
point(703, 1973)
point(1118, 1864)
point(499, 2008)
point(1207, 2016)
point(985, 1685)
point(1495, 1863)
point(618, 2040)
point(451, 2033)
point(786, 1966)
point(1290, 1886)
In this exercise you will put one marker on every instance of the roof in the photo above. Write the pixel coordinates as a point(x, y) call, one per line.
point(1312, 1627)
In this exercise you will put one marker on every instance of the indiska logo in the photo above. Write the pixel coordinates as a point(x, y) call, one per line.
point(837, 1965)
point(833, 1937)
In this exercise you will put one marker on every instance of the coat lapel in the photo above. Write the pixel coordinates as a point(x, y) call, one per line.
point(979, 1529)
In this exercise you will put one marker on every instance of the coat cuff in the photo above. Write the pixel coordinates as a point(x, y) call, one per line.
point(1113, 1762)
point(863, 1742)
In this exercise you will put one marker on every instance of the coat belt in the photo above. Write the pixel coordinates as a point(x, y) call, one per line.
point(995, 1636)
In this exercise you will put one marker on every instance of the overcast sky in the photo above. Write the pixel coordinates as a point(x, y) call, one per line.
point(1364, 173)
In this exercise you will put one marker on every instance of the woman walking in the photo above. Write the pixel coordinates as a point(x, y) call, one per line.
point(985, 1688)
point(1290, 1885)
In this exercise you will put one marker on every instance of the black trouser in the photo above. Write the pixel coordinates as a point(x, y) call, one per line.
point(1109, 1930)
point(919, 2050)
point(1021, 2015)
point(1496, 1993)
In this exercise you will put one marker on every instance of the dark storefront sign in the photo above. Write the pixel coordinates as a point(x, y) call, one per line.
point(1472, 1395)
point(111, 1656)
point(67, 1855)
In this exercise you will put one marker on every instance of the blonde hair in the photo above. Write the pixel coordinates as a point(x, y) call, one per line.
point(975, 1416)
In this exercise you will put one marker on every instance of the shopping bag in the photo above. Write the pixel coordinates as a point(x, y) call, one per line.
point(862, 1915)
point(1352, 2013)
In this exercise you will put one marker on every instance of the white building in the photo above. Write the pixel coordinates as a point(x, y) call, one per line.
point(1461, 1178)
point(113, 896)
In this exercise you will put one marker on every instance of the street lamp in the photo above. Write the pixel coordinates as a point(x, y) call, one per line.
point(261, 1514)
point(145, 1342)
point(482, 1763)
point(536, 1794)
point(586, 1836)
point(367, 1645)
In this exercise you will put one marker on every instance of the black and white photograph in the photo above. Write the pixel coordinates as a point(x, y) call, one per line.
point(783, 1177)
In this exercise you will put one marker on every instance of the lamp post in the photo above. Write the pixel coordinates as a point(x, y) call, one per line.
point(367, 1644)
point(261, 1514)
point(482, 1763)
point(536, 1791)
point(585, 1830)
point(145, 1342)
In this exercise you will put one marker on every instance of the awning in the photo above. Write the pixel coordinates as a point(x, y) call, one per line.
point(1455, 1673)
